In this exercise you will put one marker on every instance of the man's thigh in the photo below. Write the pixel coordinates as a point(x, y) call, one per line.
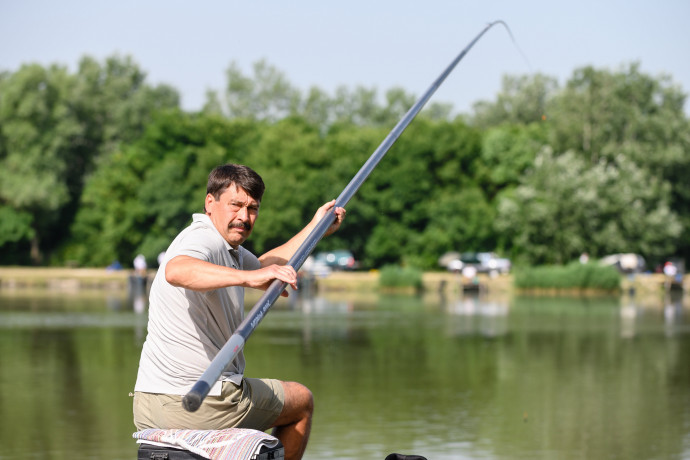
point(255, 404)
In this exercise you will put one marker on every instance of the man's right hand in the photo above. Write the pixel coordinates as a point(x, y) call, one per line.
point(263, 277)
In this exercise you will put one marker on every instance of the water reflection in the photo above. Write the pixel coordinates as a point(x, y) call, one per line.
point(478, 314)
point(633, 314)
point(320, 305)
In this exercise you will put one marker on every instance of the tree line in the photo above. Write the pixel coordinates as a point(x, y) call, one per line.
point(98, 165)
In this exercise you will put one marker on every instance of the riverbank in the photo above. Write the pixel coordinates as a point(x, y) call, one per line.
point(52, 278)
point(63, 278)
point(98, 278)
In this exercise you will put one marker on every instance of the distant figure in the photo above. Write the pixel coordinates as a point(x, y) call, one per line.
point(469, 272)
point(140, 265)
point(670, 269)
point(116, 265)
point(584, 258)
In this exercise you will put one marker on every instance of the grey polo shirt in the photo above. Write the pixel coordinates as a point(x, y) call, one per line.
point(186, 328)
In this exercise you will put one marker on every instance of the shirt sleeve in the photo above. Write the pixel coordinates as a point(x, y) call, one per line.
point(198, 243)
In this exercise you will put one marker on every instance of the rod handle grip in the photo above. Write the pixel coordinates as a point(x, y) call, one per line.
point(192, 400)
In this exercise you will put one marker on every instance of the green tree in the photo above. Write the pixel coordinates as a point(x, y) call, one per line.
point(290, 157)
point(431, 162)
point(603, 115)
point(522, 100)
point(621, 119)
point(54, 126)
point(565, 207)
point(37, 131)
point(266, 95)
point(599, 112)
point(146, 192)
point(507, 152)
point(115, 103)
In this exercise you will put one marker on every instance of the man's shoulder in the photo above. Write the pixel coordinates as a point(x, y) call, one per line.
point(200, 233)
point(202, 224)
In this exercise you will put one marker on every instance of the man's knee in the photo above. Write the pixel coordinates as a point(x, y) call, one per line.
point(300, 395)
point(299, 403)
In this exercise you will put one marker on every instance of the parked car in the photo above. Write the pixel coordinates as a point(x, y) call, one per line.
point(482, 262)
point(625, 263)
point(340, 259)
point(315, 268)
point(486, 262)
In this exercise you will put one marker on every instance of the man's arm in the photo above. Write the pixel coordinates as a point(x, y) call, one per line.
point(198, 275)
point(282, 254)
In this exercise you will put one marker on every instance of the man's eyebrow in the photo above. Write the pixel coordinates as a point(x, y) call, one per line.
point(251, 204)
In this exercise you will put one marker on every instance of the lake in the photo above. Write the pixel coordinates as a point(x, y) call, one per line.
point(446, 378)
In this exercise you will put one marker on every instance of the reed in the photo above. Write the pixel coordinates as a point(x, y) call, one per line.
point(394, 276)
point(589, 276)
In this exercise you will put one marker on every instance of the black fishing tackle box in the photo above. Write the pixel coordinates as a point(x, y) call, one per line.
point(151, 452)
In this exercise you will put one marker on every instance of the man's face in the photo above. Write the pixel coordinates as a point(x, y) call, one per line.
point(233, 214)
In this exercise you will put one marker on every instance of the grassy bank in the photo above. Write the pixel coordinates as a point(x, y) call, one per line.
point(652, 285)
point(62, 278)
point(590, 277)
point(74, 278)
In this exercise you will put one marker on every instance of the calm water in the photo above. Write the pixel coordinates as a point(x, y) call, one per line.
point(444, 378)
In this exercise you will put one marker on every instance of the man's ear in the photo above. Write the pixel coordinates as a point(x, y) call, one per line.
point(208, 202)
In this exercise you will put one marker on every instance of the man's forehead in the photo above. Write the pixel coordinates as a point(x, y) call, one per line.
point(236, 193)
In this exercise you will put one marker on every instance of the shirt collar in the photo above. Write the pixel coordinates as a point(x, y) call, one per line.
point(205, 220)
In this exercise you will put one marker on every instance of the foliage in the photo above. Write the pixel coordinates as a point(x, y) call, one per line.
point(617, 144)
point(267, 95)
point(97, 165)
point(563, 209)
point(54, 126)
point(144, 194)
point(394, 276)
point(604, 115)
point(522, 100)
point(572, 276)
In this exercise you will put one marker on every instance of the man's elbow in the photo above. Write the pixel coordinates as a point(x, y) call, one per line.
point(174, 271)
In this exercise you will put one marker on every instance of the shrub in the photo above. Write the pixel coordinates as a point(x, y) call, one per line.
point(571, 276)
point(393, 276)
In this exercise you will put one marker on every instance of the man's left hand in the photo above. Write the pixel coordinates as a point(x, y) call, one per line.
point(339, 216)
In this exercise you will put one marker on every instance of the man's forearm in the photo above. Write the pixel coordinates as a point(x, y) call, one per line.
point(282, 254)
point(199, 275)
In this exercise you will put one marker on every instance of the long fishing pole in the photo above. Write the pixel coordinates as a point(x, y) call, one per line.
point(235, 343)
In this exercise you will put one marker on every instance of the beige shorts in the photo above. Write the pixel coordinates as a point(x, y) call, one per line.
point(256, 403)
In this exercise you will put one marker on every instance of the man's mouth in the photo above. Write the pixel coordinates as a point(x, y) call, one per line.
point(242, 225)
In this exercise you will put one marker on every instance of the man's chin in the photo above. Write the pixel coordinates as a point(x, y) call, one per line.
point(235, 238)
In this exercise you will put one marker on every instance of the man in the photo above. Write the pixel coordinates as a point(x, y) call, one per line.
point(196, 303)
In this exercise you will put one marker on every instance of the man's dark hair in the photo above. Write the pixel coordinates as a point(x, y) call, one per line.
point(242, 176)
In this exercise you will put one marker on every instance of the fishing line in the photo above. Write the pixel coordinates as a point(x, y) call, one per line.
point(524, 56)
point(517, 46)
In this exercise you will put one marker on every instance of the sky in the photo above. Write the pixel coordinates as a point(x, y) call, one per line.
point(376, 44)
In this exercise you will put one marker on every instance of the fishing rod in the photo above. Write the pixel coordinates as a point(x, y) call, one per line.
point(193, 399)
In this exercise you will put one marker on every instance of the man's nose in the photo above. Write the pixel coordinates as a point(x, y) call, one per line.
point(243, 213)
